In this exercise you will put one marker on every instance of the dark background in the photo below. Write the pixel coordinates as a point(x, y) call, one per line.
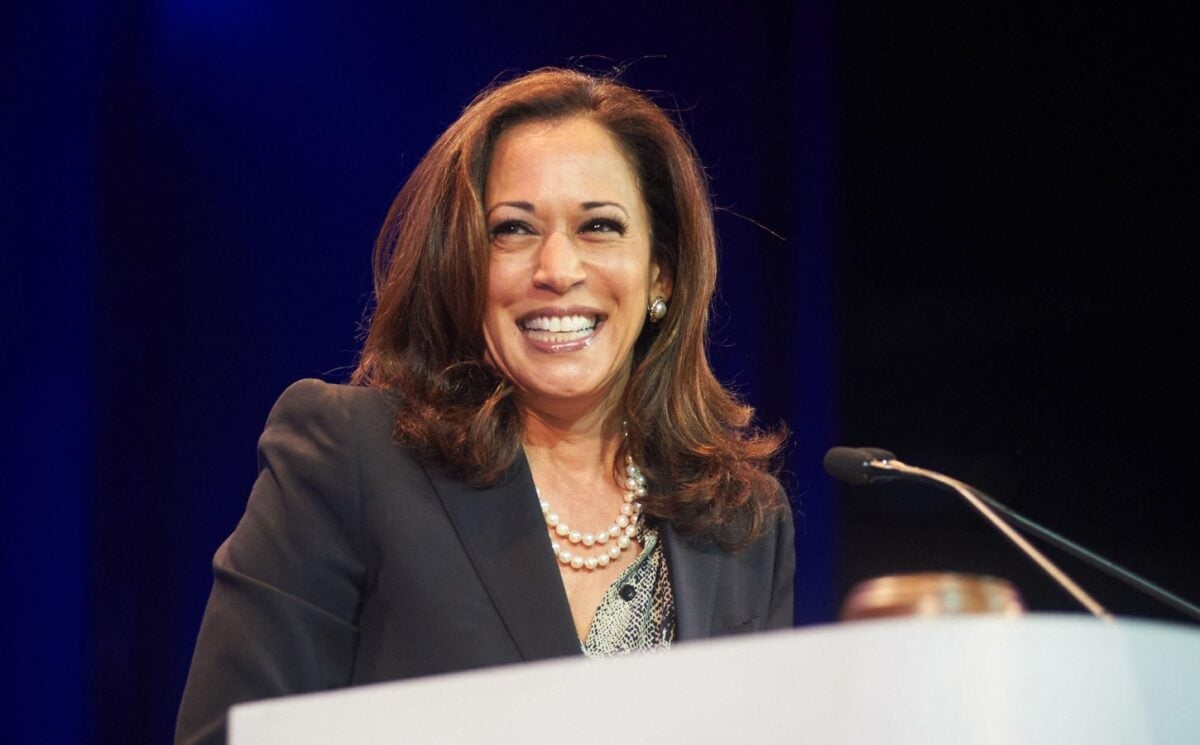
point(988, 222)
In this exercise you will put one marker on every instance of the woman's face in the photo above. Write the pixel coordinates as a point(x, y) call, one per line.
point(570, 271)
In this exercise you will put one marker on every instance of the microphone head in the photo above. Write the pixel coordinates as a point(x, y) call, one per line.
point(879, 453)
point(853, 465)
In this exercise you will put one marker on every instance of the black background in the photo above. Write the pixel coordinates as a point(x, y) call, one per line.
point(1015, 294)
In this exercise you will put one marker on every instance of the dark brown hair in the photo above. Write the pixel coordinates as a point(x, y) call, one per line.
point(709, 469)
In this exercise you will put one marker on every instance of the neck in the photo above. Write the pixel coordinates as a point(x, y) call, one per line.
point(585, 445)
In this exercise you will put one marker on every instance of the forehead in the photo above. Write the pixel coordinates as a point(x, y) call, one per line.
point(560, 157)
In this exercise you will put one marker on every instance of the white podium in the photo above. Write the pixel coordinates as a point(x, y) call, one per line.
point(1056, 680)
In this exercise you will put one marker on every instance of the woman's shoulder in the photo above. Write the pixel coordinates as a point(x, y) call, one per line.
point(338, 435)
point(330, 412)
point(311, 398)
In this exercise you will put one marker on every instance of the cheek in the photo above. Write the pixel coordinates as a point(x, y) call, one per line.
point(496, 295)
point(503, 289)
point(504, 280)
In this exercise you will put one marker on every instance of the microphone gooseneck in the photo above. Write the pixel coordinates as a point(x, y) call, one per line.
point(870, 465)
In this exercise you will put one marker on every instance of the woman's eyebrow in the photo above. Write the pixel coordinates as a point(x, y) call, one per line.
point(594, 205)
point(528, 206)
point(525, 206)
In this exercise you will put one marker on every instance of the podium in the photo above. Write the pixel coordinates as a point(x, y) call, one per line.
point(1033, 679)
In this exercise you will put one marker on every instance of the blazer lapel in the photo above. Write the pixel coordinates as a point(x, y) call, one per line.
point(504, 536)
point(695, 571)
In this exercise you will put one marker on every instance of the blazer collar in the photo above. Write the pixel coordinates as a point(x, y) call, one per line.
point(502, 529)
point(695, 571)
point(504, 535)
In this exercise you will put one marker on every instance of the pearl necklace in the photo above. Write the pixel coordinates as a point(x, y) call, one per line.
point(622, 532)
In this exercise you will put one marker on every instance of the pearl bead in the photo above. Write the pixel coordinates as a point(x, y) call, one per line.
point(602, 537)
point(640, 491)
point(614, 552)
point(562, 529)
point(627, 510)
point(631, 470)
point(630, 532)
point(637, 508)
point(602, 560)
point(545, 506)
point(591, 562)
point(631, 484)
point(623, 542)
point(622, 521)
point(552, 519)
point(589, 539)
point(641, 480)
point(614, 531)
point(577, 562)
point(575, 537)
point(564, 556)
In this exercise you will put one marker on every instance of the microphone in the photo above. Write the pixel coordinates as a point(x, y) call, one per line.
point(854, 465)
point(872, 465)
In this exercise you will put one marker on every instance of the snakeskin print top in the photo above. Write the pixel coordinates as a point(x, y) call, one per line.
point(637, 613)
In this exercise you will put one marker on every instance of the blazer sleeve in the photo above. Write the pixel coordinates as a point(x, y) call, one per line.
point(783, 589)
point(282, 615)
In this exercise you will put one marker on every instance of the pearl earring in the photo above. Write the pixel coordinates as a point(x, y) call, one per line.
point(657, 309)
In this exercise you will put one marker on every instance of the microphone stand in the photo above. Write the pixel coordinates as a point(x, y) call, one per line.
point(864, 465)
point(1110, 568)
point(973, 498)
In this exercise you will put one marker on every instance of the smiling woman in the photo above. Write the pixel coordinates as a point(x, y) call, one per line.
point(570, 275)
point(535, 361)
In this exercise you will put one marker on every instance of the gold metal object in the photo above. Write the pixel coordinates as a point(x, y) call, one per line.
point(931, 594)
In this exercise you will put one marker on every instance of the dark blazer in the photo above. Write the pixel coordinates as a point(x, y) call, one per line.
point(354, 563)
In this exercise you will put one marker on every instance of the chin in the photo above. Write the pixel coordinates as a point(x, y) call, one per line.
point(546, 392)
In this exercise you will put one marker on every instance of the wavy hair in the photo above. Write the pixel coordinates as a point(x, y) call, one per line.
point(711, 470)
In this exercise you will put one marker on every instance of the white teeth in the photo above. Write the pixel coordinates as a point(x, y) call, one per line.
point(560, 324)
point(560, 337)
point(559, 329)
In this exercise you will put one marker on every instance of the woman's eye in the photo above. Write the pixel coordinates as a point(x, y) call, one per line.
point(511, 227)
point(603, 225)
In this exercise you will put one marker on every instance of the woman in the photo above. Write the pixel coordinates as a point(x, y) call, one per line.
point(536, 460)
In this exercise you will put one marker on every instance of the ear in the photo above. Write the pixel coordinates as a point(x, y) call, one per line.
point(660, 281)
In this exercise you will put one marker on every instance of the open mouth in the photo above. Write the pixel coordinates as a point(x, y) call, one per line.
point(556, 329)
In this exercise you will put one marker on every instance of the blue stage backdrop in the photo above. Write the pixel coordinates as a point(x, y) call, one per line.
point(192, 190)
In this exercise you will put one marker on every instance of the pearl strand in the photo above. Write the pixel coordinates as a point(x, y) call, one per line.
point(622, 532)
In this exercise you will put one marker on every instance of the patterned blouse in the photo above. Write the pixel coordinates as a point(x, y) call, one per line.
point(637, 613)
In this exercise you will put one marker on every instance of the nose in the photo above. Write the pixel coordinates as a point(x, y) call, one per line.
point(558, 264)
